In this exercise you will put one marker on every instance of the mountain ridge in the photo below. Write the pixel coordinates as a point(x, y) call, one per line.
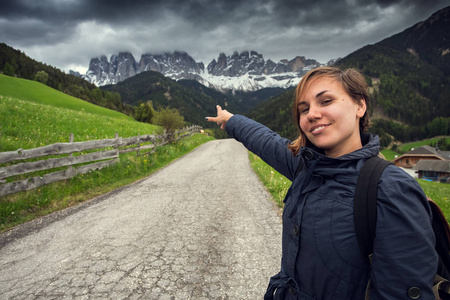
point(245, 71)
point(428, 40)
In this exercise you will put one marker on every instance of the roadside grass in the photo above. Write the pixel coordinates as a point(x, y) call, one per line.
point(278, 185)
point(25, 206)
point(275, 183)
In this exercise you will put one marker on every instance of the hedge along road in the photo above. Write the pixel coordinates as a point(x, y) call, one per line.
point(201, 228)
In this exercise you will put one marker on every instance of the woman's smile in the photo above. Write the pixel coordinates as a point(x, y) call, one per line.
point(318, 129)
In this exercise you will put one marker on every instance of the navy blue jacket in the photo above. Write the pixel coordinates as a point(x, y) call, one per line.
point(321, 258)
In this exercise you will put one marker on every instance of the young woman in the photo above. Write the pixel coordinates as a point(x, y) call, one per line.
point(321, 258)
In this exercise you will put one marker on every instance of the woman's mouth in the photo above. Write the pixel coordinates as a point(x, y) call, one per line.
point(318, 129)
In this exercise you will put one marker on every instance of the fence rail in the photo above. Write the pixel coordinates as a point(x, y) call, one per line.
point(98, 159)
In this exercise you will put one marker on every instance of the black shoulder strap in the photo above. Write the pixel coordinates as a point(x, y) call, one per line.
point(365, 203)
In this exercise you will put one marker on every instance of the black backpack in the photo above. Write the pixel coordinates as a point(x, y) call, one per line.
point(365, 218)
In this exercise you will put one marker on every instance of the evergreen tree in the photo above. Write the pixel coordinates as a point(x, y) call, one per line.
point(9, 69)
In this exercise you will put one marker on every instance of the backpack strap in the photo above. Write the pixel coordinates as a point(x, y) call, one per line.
point(365, 203)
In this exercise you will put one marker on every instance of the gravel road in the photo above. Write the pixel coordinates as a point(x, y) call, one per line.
point(201, 228)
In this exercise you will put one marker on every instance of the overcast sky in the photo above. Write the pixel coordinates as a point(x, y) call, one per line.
point(68, 33)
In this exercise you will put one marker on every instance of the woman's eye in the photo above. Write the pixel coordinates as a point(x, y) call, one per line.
point(326, 101)
point(304, 110)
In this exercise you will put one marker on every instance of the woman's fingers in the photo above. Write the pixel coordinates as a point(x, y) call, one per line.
point(216, 119)
point(222, 117)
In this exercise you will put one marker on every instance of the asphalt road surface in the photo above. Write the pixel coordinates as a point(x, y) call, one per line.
point(201, 228)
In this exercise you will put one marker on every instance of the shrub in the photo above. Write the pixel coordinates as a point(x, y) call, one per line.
point(169, 118)
point(144, 112)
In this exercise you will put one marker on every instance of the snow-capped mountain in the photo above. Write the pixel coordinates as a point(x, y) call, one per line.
point(247, 71)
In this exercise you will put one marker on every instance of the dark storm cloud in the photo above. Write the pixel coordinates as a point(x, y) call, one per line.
point(70, 32)
point(213, 13)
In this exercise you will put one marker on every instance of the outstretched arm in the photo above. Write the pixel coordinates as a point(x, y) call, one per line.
point(259, 139)
point(222, 118)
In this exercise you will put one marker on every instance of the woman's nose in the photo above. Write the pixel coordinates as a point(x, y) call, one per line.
point(314, 113)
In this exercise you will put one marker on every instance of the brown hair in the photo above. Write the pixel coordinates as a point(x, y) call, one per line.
point(353, 83)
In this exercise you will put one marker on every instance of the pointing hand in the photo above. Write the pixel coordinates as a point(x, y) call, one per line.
point(222, 117)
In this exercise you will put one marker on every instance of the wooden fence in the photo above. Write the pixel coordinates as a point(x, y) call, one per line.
point(106, 154)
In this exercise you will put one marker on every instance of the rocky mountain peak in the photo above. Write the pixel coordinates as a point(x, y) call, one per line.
point(239, 71)
point(123, 66)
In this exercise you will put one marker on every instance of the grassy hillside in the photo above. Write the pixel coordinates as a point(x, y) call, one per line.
point(37, 92)
point(34, 115)
point(26, 124)
point(16, 63)
point(29, 120)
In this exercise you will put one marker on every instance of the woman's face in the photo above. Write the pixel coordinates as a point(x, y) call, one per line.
point(329, 117)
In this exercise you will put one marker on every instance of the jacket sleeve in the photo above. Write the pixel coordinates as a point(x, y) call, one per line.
point(404, 260)
point(265, 143)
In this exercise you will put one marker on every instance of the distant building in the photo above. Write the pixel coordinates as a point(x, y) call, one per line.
point(410, 159)
point(428, 162)
point(433, 169)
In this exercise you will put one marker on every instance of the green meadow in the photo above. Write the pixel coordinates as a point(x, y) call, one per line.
point(34, 115)
point(26, 124)
point(39, 93)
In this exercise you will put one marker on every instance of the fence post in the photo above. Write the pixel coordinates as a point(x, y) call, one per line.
point(138, 144)
point(71, 154)
point(116, 136)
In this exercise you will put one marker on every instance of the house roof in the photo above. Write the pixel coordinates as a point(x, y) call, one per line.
point(423, 150)
point(445, 154)
point(432, 165)
point(427, 151)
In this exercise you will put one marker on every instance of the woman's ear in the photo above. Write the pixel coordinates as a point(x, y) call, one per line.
point(361, 108)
